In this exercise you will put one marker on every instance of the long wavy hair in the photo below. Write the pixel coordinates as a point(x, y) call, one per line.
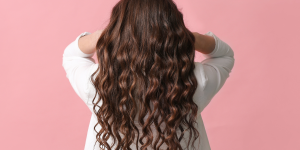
point(145, 76)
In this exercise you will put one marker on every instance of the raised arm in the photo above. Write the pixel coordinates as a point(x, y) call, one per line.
point(215, 69)
point(79, 64)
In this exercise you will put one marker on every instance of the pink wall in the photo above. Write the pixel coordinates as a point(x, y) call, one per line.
point(257, 109)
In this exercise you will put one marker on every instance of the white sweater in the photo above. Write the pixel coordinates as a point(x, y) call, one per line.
point(211, 75)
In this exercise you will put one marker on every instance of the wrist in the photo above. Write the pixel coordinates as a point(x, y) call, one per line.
point(204, 43)
point(86, 43)
point(198, 41)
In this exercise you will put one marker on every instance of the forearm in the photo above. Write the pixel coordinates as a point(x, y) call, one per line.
point(203, 43)
point(87, 43)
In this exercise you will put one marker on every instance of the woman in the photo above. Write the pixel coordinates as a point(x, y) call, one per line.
point(146, 92)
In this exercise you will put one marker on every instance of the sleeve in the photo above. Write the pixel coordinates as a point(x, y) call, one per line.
point(77, 66)
point(216, 68)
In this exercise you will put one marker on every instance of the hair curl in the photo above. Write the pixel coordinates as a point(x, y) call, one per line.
point(146, 63)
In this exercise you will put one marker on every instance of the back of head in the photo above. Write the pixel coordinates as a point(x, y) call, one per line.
point(146, 63)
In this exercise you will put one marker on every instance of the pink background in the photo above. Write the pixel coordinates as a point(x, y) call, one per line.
point(257, 109)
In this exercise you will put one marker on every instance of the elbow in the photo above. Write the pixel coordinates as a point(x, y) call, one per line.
point(230, 51)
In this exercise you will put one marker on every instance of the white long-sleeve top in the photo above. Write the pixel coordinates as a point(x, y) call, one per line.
point(211, 75)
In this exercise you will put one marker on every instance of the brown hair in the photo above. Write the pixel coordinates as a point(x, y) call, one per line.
point(146, 63)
